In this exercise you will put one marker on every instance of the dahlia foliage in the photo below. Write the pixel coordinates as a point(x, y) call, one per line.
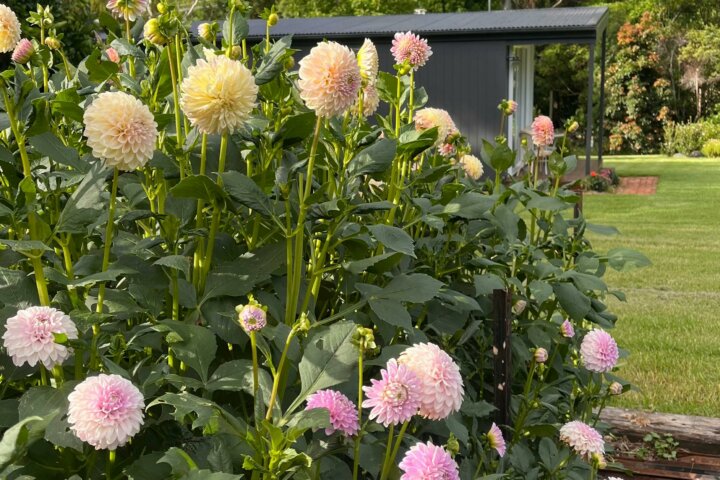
point(222, 258)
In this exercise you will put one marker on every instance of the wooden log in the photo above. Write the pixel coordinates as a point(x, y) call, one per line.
point(695, 434)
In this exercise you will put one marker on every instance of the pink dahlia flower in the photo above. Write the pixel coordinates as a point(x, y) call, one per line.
point(598, 351)
point(105, 411)
point(395, 398)
point(112, 55)
point(252, 317)
point(343, 412)
point(329, 79)
point(427, 118)
point(408, 47)
point(543, 132)
point(511, 108)
point(496, 439)
point(441, 385)
point(29, 336)
point(23, 52)
point(581, 437)
point(371, 100)
point(425, 461)
point(447, 149)
point(567, 329)
point(540, 355)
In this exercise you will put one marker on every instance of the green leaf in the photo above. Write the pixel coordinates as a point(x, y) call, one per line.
point(25, 246)
point(17, 439)
point(574, 302)
point(196, 346)
point(393, 238)
point(100, 70)
point(328, 360)
point(176, 262)
point(236, 376)
point(415, 288)
point(391, 312)
point(246, 192)
point(471, 205)
point(376, 158)
point(480, 409)
point(148, 467)
point(207, 414)
point(199, 187)
point(209, 475)
point(86, 203)
point(624, 259)
point(550, 204)
point(240, 29)
point(109, 275)
point(602, 229)
point(273, 62)
point(359, 266)
point(48, 145)
point(487, 282)
point(297, 127)
point(412, 142)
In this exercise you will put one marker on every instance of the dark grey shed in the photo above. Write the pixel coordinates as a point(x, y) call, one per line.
point(478, 58)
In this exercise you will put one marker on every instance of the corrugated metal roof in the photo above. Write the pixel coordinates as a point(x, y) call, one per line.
point(556, 20)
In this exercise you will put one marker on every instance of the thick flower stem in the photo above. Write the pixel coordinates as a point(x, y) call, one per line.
point(388, 451)
point(128, 34)
point(179, 140)
point(358, 438)
point(36, 262)
point(199, 219)
point(108, 239)
point(279, 375)
point(253, 346)
point(411, 102)
point(230, 40)
point(43, 375)
point(44, 65)
point(396, 449)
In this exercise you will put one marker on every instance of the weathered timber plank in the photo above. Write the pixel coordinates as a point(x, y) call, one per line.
point(696, 434)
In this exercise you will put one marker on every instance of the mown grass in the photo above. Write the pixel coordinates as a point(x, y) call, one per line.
point(671, 321)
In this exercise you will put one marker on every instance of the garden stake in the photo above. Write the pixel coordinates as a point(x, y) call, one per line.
point(502, 355)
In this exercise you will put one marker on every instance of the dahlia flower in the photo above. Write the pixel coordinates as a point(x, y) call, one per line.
point(441, 385)
point(105, 411)
point(371, 100)
point(472, 165)
point(9, 29)
point(581, 437)
point(543, 132)
point(396, 397)
point(130, 9)
point(511, 107)
point(29, 336)
point(367, 58)
point(112, 55)
point(496, 439)
point(121, 130)
point(425, 461)
point(567, 329)
point(252, 317)
point(329, 79)
point(540, 355)
point(23, 52)
point(218, 94)
point(598, 351)
point(447, 150)
point(408, 47)
point(343, 412)
point(427, 118)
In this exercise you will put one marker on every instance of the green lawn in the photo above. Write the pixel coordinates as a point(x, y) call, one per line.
point(671, 321)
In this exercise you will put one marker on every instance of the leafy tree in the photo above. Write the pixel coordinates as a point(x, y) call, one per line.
point(700, 58)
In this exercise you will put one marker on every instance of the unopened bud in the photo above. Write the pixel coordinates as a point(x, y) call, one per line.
point(540, 355)
point(615, 388)
point(52, 43)
point(206, 32)
point(452, 446)
point(236, 52)
point(23, 52)
point(404, 69)
point(599, 460)
point(303, 324)
point(289, 63)
point(162, 8)
point(573, 126)
point(112, 55)
point(519, 307)
point(273, 19)
point(152, 32)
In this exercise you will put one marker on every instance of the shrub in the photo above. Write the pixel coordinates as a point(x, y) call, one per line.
point(711, 148)
point(686, 138)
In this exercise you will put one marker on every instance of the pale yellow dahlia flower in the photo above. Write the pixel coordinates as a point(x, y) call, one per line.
point(368, 62)
point(427, 118)
point(120, 130)
point(9, 29)
point(371, 100)
point(329, 79)
point(218, 94)
point(472, 165)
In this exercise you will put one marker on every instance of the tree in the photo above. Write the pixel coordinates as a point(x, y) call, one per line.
point(700, 59)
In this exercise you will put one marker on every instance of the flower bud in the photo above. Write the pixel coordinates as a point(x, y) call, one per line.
point(519, 307)
point(364, 338)
point(252, 317)
point(567, 329)
point(52, 43)
point(573, 126)
point(236, 52)
point(452, 446)
point(541, 355)
point(273, 19)
point(162, 8)
point(302, 326)
point(23, 52)
point(615, 388)
point(206, 31)
point(599, 460)
point(152, 32)
point(404, 69)
point(112, 55)
point(289, 63)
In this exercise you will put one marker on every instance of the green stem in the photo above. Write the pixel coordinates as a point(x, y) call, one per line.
point(278, 375)
point(131, 59)
point(397, 107)
point(217, 211)
point(253, 346)
point(176, 104)
point(199, 219)
point(395, 449)
point(388, 451)
point(230, 19)
point(108, 239)
point(44, 65)
point(411, 103)
point(43, 375)
point(356, 456)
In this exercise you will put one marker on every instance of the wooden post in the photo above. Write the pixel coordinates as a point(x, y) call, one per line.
point(578, 208)
point(501, 355)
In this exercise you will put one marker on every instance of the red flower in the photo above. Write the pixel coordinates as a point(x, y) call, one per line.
point(593, 174)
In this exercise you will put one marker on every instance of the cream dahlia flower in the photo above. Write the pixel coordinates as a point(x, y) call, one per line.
point(121, 130)
point(368, 62)
point(427, 118)
point(218, 94)
point(9, 29)
point(472, 165)
point(329, 79)
point(130, 9)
